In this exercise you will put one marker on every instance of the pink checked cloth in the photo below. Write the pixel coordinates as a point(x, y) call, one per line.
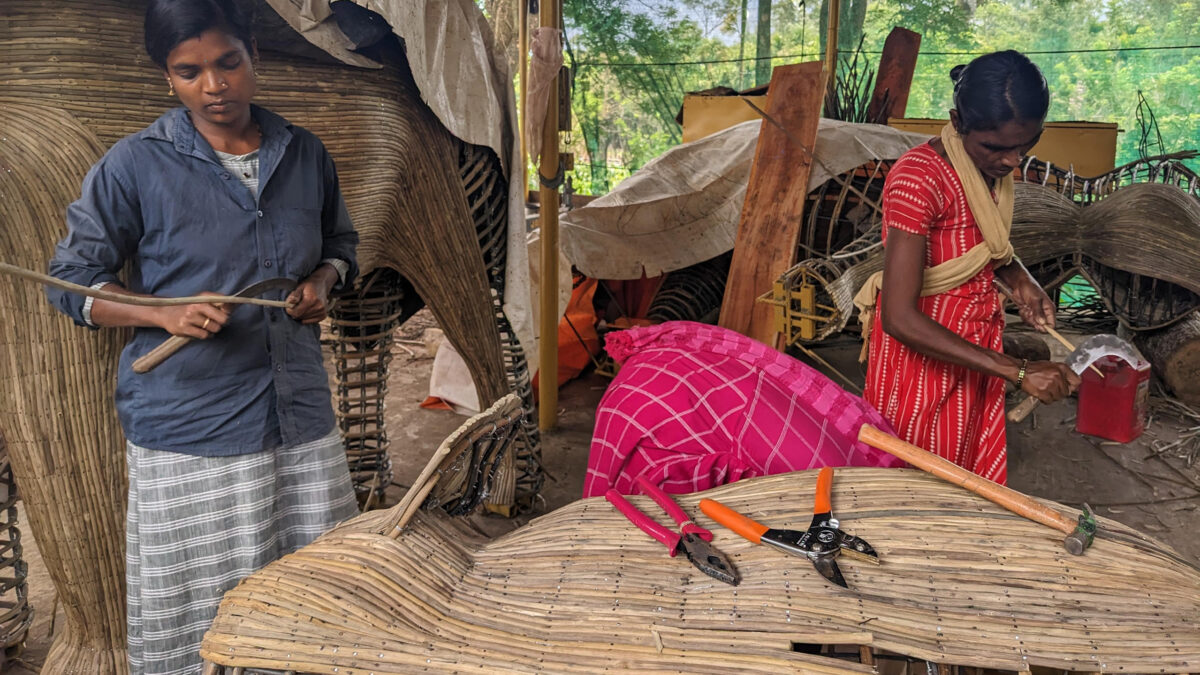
point(697, 406)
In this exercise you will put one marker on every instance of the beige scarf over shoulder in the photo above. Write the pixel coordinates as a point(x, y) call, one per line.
point(994, 219)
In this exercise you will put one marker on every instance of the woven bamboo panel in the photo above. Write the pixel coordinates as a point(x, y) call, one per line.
point(962, 581)
point(1141, 299)
point(1132, 232)
point(56, 406)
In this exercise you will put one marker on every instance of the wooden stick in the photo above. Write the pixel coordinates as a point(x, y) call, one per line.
point(124, 299)
point(551, 17)
point(1007, 292)
point(1010, 499)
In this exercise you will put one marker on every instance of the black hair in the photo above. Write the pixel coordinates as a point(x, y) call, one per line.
point(997, 88)
point(170, 22)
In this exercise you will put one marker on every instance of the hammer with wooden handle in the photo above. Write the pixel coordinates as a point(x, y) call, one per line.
point(151, 359)
point(1080, 533)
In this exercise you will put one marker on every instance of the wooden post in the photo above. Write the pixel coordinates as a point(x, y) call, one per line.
point(523, 74)
point(831, 41)
point(548, 200)
point(894, 77)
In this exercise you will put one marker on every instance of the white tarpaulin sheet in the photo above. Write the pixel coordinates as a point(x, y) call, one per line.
point(683, 207)
point(465, 82)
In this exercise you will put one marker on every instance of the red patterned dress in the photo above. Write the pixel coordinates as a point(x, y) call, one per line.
point(953, 411)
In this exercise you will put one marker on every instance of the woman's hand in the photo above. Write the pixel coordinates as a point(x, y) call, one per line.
point(198, 321)
point(310, 299)
point(1035, 306)
point(1049, 381)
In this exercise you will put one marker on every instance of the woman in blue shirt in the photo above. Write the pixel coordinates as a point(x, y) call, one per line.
point(234, 457)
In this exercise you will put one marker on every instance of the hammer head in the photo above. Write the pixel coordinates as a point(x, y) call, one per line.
point(1085, 532)
point(1099, 346)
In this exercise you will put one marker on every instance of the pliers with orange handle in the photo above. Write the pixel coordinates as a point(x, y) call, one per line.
point(821, 543)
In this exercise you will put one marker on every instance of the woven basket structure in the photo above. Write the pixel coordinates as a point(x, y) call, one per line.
point(1145, 284)
point(839, 248)
point(15, 613)
point(364, 324)
point(56, 407)
point(693, 293)
point(425, 204)
point(1117, 241)
point(962, 581)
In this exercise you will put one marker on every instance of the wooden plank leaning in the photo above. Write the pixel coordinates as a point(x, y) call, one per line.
point(771, 216)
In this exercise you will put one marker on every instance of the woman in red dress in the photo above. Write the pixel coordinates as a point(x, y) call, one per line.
point(936, 368)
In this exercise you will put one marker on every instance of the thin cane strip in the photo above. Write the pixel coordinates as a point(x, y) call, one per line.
point(125, 299)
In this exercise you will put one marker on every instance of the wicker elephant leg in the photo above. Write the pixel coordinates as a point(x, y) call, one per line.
point(15, 613)
point(363, 323)
point(56, 405)
point(486, 193)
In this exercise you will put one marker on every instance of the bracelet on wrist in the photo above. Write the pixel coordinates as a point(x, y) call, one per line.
point(1021, 372)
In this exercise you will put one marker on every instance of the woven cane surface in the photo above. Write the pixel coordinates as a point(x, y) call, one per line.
point(56, 408)
point(962, 581)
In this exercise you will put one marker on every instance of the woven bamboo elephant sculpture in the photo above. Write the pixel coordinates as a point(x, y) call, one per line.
point(431, 211)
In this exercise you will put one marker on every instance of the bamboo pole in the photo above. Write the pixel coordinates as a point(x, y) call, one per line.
point(831, 42)
point(548, 199)
point(523, 73)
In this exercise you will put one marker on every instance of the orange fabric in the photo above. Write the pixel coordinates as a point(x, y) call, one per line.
point(575, 354)
point(435, 403)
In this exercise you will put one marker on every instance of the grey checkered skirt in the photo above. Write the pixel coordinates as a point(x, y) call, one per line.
point(197, 526)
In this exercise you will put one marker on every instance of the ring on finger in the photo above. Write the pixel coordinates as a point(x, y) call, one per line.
point(205, 326)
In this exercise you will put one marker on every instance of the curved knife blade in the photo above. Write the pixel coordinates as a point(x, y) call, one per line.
point(1099, 346)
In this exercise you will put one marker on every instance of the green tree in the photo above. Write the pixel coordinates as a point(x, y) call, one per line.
point(625, 115)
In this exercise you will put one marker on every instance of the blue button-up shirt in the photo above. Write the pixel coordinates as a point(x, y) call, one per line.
point(161, 202)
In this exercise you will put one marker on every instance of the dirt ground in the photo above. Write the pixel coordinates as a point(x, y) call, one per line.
point(1157, 493)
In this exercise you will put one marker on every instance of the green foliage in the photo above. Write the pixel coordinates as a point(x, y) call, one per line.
point(624, 116)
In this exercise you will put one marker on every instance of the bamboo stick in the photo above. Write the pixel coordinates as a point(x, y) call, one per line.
point(551, 13)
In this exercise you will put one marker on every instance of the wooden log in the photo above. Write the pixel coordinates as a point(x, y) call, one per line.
point(1026, 346)
point(771, 216)
point(1174, 352)
point(894, 78)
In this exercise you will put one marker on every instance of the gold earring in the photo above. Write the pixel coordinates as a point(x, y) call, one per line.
point(170, 88)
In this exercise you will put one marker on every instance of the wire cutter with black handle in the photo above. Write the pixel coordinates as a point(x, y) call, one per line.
point(691, 539)
point(821, 543)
